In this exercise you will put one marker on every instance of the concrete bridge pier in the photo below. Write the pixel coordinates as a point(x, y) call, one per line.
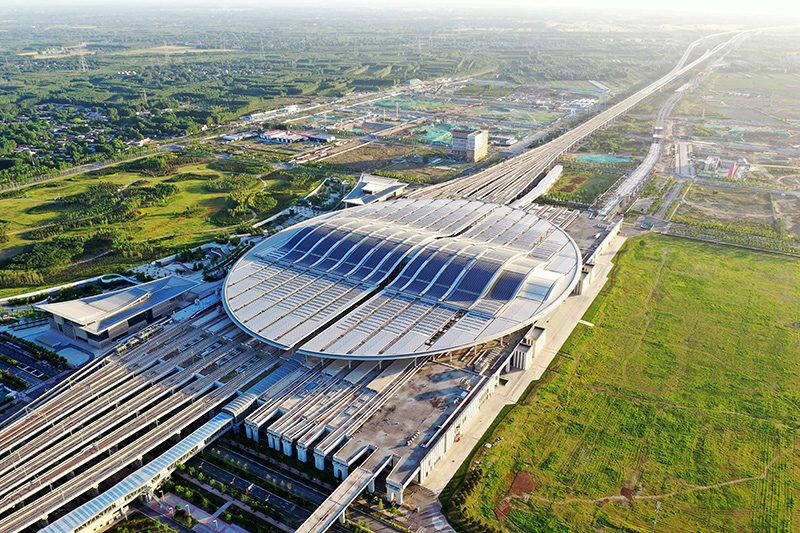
point(43, 522)
point(94, 492)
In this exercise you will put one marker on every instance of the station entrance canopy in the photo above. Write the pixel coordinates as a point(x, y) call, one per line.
point(402, 278)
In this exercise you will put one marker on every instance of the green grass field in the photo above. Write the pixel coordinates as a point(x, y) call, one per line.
point(585, 182)
point(686, 392)
point(187, 218)
point(33, 209)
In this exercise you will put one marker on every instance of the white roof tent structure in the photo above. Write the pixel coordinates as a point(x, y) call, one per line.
point(402, 279)
point(369, 189)
point(120, 309)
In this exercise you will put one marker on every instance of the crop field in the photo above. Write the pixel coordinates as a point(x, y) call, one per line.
point(745, 114)
point(501, 114)
point(755, 95)
point(684, 392)
point(727, 205)
point(415, 163)
point(781, 177)
point(412, 104)
point(774, 83)
point(788, 208)
point(738, 210)
point(36, 209)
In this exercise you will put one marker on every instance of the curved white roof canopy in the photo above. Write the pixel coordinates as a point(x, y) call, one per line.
point(402, 278)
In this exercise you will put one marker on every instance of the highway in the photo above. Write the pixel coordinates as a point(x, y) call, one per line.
point(508, 180)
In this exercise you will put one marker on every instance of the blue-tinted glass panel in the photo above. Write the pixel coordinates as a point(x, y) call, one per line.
point(359, 252)
point(306, 244)
point(506, 285)
point(452, 271)
point(309, 242)
point(308, 259)
point(375, 258)
point(293, 256)
point(462, 298)
point(478, 276)
point(433, 267)
point(340, 251)
point(437, 291)
point(322, 247)
point(296, 238)
point(409, 272)
point(417, 286)
point(391, 262)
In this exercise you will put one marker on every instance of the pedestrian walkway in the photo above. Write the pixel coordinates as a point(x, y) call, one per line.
point(159, 513)
point(206, 523)
point(221, 509)
point(429, 517)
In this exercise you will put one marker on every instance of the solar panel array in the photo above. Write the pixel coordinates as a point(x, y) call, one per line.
point(402, 278)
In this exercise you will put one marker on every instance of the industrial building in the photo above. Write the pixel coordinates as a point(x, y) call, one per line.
point(473, 145)
point(102, 320)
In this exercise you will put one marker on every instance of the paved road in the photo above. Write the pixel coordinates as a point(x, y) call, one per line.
point(502, 183)
point(286, 508)
point(314, 496)
point(24, 358)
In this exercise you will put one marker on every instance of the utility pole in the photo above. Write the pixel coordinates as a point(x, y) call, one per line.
point(655, 519)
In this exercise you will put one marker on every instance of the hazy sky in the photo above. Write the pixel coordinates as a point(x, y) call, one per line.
point(790, 8)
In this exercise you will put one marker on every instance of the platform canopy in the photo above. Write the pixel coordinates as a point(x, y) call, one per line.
point(402, 278)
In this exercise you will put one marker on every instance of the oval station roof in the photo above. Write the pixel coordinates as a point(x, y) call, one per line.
point(402, 278)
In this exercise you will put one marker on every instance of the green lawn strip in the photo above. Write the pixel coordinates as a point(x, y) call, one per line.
point(139, 523)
